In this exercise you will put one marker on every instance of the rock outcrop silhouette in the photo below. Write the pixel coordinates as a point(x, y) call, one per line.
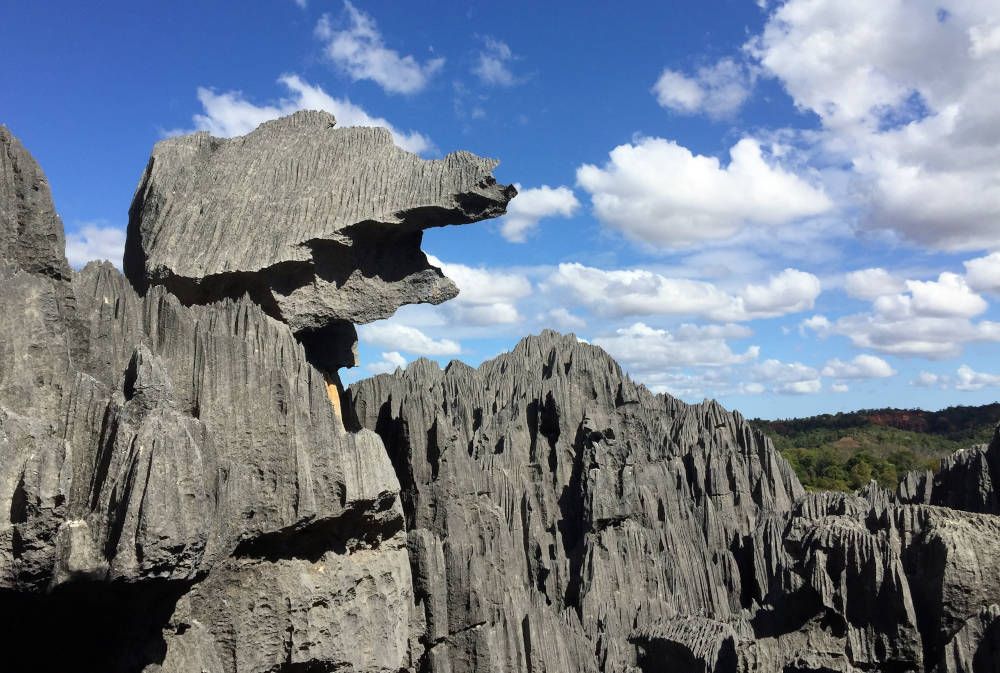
point(557, 512)
point(182, 494)
point(186, 487)
point(320, 225)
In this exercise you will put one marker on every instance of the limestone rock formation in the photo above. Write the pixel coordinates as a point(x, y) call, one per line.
point(625, 531)
point(968, 479)
point(320, 225)
point(182, 495)
point(185, 490)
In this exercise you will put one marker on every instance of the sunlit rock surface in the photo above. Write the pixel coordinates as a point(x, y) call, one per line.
point(186, 490)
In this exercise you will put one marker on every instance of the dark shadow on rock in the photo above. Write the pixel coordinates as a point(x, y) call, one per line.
point(90, 627)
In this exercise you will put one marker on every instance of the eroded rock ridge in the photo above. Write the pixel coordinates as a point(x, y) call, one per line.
point(560, 517)
point(181, 495)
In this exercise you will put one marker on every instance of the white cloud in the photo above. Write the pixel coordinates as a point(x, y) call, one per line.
point(935, 338)
point(92, 241)
point(861, 367)
point(792, 378)
point(985, 40)
point(493, 65)
point(718, 90)
point(840, 387)
point(658, 192)
point(389, 363)
point(689, 332)
point(486, 297)
point(905, 92)
point(531, 205)
point(562, 319)
point(969, 379)
point(931, 319)
point(399, 337)
point(301, 3)
point(230, 114)
point(642, 348)
point(927, 380)
point(819, 324)
point(966, 378)
point(641, 292)
point(360, 52)
point(983, 273)
point(948, 296)
point(871, 284)
point(790, 291)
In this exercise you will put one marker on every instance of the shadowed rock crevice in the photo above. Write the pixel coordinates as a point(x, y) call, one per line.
point(366, 526)
point(88, 627)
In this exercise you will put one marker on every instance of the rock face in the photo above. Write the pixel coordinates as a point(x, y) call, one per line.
point(320, 225)
point(562, 518)
point(184, 489)
point(967, 480)
point(182, 494)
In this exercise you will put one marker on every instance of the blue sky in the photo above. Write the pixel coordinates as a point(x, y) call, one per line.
point(793, 207)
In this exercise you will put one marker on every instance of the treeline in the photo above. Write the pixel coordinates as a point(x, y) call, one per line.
point(845, 451)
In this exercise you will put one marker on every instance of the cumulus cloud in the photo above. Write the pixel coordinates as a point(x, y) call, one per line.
point(399, 337)
point(94, 241)
point(969, 379)
point(230, 114)
point(948, 296)
point(793, 378)
point(486, 296)
point(905, 92)
point(493, 65)
point(965, 378)
point(360, 52)
point(871, 284)
point(562, 319)
point(935, 338)
point(927, 380)
point(642, 348)
point(390, 361)
point(930, 319)
point(983, 273)
point(660, 193)
point(717, 90)
point(532, 205)
point(861, 367)
point(637, 292)
point(661, 358)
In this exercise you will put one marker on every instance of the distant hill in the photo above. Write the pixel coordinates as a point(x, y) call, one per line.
point(844, 451)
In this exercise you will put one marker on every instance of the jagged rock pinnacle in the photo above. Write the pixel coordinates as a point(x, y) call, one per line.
point(320, 225)
point(180, 495)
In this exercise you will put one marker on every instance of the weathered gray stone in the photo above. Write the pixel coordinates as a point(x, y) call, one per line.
point(174, 473)
point(634, 532)
point(546, 488)
point(184, 493)
point(320, 225)
point(968, 479)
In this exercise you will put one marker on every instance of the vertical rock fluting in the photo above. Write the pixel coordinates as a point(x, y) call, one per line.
point(559, 514)
point(562, 518)
point(182, 493)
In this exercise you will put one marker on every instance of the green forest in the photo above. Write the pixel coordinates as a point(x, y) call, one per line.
point(845, 451)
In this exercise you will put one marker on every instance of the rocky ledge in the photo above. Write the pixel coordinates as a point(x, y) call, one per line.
point(188, 489)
